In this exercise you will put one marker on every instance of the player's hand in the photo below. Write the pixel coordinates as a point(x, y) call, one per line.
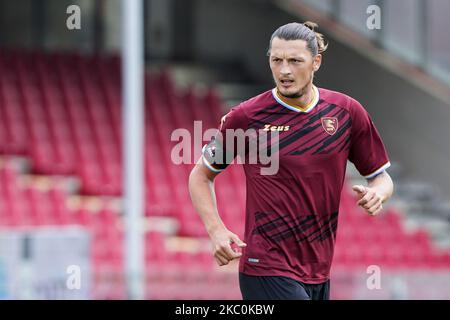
point(369, 199)
point(222, 241)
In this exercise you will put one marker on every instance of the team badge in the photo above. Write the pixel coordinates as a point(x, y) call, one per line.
point(330, 125)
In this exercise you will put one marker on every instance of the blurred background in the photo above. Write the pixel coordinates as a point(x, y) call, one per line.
point(63, 218)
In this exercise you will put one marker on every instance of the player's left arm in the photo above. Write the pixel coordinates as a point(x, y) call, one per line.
point(378, 190)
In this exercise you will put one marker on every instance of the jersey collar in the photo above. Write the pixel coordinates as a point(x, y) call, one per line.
point(306, 109)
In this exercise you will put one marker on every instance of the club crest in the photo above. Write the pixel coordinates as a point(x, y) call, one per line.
point(330, 125)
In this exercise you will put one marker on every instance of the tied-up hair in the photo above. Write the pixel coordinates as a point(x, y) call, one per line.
point(301, 31)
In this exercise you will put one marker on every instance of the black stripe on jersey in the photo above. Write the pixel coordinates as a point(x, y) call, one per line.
point(343, 143)
point(327, 140)
point(312, 119)
point(268, 226)
point(266, 118)
point(267, 108)
point(271, 225)
point(334, 137)
point(295, 136)
point(283, 221)
point(296, 152)
point(329, 232)
point(322, 113)
point(346, 143)
point(320, 230)
point(323, 232)
point(333, 216)
point(319, 133)
point(297, 224)
point(258, 123)
point(260, 215)
point(326, 230)
point(307, 129)
point(294, 231)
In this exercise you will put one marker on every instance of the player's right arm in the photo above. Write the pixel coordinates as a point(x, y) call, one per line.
point(201, 189)
point(216, 157)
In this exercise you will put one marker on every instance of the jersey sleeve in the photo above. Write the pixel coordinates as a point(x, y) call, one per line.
point(367, 151)
point(219, 152)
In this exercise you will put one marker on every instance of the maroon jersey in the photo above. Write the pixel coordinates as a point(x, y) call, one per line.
point(292, 216)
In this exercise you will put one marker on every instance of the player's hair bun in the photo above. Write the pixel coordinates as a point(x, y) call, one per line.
point(322, 45)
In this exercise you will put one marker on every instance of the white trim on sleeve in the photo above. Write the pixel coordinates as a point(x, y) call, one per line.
point(378, 171)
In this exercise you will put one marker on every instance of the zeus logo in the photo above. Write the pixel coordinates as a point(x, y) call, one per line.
point(269, 127)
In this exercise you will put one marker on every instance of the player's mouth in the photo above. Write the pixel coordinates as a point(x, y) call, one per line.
point(286, 83)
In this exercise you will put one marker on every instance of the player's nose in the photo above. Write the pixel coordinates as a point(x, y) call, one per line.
point(285, 70)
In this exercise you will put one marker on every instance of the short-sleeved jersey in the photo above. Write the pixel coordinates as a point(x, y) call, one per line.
point(292, 216)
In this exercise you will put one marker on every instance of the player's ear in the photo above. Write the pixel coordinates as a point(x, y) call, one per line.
point(317, 62)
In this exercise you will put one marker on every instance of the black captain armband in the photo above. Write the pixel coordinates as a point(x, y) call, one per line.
point(214, 157)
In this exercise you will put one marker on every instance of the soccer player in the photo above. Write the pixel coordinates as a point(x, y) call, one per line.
point(292, 216)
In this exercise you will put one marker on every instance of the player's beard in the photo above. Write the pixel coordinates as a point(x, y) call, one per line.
point(298, 94)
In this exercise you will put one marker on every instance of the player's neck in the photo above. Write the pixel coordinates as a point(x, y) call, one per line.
point(303, 102)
